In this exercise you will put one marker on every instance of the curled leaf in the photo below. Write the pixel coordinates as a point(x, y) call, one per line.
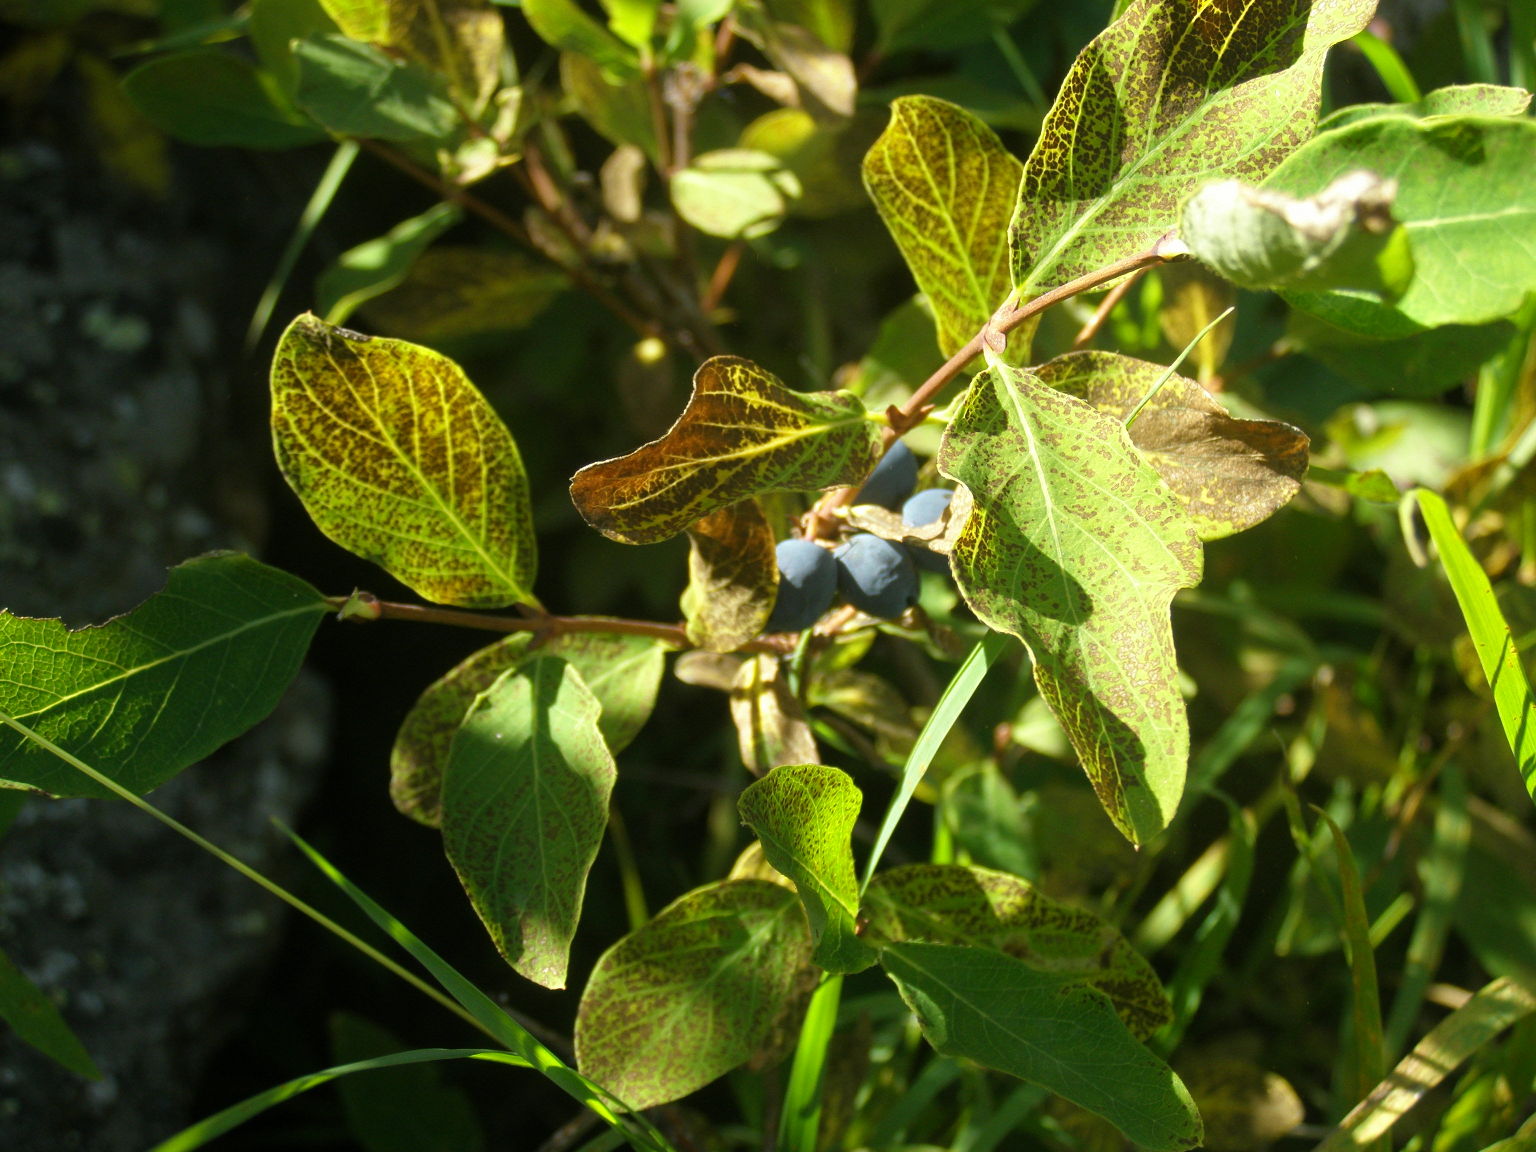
point(731, 577)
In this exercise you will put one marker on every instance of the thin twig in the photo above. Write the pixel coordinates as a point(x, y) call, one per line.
point(1113, 297)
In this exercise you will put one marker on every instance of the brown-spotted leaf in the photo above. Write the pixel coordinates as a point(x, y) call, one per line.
point(717, 980)
point(771, 728)
point(1246, 1108)
point(732, 577)
point(460, 39)
point(398, 458)
point(948, 904)
point(1229, 474)
point(742, 434)
point(946, 188)
point(623, 672)
point(1076, 546)
point(455, 291)
point(1172, 94)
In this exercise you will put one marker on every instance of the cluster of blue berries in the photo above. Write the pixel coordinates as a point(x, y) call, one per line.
point(874, 575)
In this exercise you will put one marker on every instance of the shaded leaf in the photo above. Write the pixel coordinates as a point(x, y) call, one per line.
point(1466, 200)
point(803, 814)
point(1228, 474)
point(870, 702)
point(977, 1004)
point(618, 110)
point(986, 818)
point(562, 24)
point(36, 1020)
point(771, 728)
point(622, 672)
point(948, 904)
point(1193, 299)
point(356, 89)
point(732, 577)
point(932, 25)
point(1245, 1108)
point(274, 25)
point(1170, 95)
point(717, 979)
point(831, 21)
point(152, 692)
point(454, 291)
point(1423, 364)
point(946, 187)
point(525, 803)
point(1454, 100)
point(404, 1108)
point(1076, 547)
point(734, 193)
point(375, 266)
point(460, 40)
point(823, 75)
point(742, 434)
point(210, 97)
point(824, 160)
point(398, 458)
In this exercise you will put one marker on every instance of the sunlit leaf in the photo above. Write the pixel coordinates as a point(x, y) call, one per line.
point(803, 814)
point(946, 187)
point(525, 802)
point(771, 728)
point(35, 1019)
point(824, 160)
point(716, 980)
point(823, 75)
point(212, 97)
point(460, 40)
point(1228, 474)
point(360, 19)
point(978, 1004)
point(1454, 100)
point(154, 691)
point(398, 458)
point(357, 89)
point(564, 25)
point(622, 672)
point(454, 291)
point(618, 110)
point(948, 904)
point(734, 193)
point(732, 577)
point(1076, 546)
point(1466, 201)
point(742, 434)
point(375, 266)
point(1170, 95)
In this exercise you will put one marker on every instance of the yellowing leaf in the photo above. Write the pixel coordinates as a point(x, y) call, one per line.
point(771, 728)
point(742, 434)
point(1172, 94)
point(732, 577)
point(1229, 474)
point(399, 458)
point(462, 40)
point(1076, 547)
point(946, 187)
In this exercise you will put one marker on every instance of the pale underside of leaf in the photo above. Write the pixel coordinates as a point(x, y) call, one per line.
point(1076, 547)
point(732, 577)
point(1172, 94)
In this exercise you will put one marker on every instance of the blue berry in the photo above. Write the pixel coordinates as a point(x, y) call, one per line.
point(892, 480)
point(875, 576)
point(807, 581)
point(925, 507)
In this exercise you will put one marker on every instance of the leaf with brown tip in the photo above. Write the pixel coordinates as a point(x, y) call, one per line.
point(742, 434)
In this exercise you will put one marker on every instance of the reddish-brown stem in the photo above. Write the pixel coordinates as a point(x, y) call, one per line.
point(720, 279)
point(543, 625)
point(1107, 305)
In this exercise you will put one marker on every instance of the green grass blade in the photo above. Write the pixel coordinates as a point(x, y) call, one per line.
point(1490, 635)
point(1477, 50)
point(800, 1122)
point(1446, 1046)
point(236, 1114)
point(961, 688)
point(1389, 66)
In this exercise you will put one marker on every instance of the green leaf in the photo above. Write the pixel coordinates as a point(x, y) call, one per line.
point(831, 21)
point(360, 19)
point(771, 727)
point(1455, 100)
point(1228, 474)
point(454, 291)
point(406, 1108)
point(460, 40)
point(734, 193)
point(623, 672)
point(934, 25)
point(1424, 364)
point(981, 1005)
point(565, 26)
point(948, 904)
point(804, 816)
point(732, 577)
point(376, 266)
point(1466, 200)
point(823, 74)
point(214, 98)
point(618, 110)
point(1076, 546)
point(273, 27)
point(1161, 101)
point(525, 802)
point(398, 458)
point(716, 980)
point(37, 1021)
point(1491, 636)
point(154, 691)
point(633, 21)
point(742, 434)
point(356, 89)
point(946, 187)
